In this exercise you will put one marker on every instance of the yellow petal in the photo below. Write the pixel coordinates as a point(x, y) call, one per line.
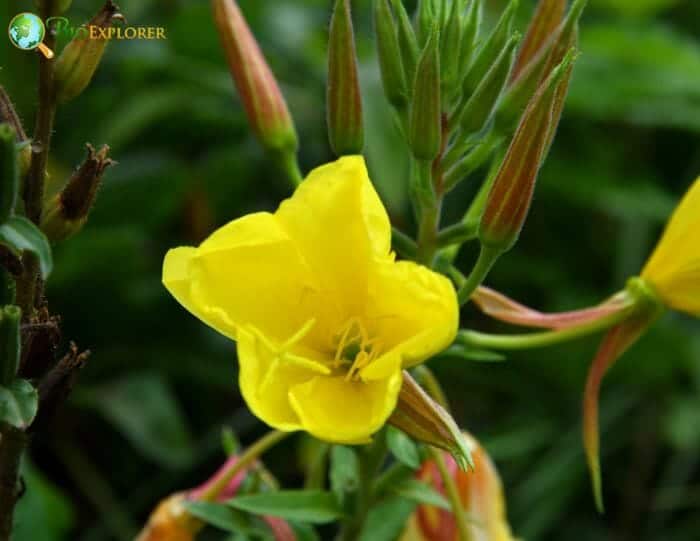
point(266, 375)
point(414, 312)
point(247, 272)
point(674, 267)
point(343, 411)
point(339, 224)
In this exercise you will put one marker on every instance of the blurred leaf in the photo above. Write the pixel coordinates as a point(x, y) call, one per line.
point(646, 75)
point(387, 519)
point(223, 517)
point(42, 504)
point(682, 423)
point(18, 403)
point(143, 408)
point(344, 470)
point(473, 354)
point(420, 492)
point(314, 506)
point(403, 448)
point(21, 235)
point(637, 8)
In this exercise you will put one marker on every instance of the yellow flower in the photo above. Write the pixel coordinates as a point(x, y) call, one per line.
point(324, 318)
point(481, 494)
point(674, 267)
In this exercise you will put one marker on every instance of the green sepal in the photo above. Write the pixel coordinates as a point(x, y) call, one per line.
point(425, 127)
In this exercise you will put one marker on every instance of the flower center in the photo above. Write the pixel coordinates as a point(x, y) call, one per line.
point(354, 349)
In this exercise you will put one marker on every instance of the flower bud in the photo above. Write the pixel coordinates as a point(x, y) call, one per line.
point(425, 128)
point(9, 177)
point(471, 25)
point(480, 106)
point(390, 63)
point(480, 493)
point(171, 522)
point(509, 201)
point(68, 211)
point(426, 18)
point(544, 23)
point(261, 96)
point(490, 49)
point(425, 420)
point(451, 40)
point(344, 99)
point(10, 317)
point(79, 60)
point(408, 43)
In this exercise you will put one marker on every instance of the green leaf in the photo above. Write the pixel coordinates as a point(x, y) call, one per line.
point(419, 492)
point(21, 235)
point(314, 506)
point(223, 517)
point(344, 470)
point(19, 402)
point(387, 519)
point(403, 448)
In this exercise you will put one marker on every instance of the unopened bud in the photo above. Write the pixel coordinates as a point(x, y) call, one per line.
point(451, 40)
point(408, 43)
point(426, 18)
point(390, 63)
point(480, 106)
point(509, 200)
point(10, 317)
point(171, 522)
point(344, 98)
point(9, 176)
point(425, 420)
point(490, 49)
point(425, 128)
point(544, 23)
point(68, 211)
point(262, 98)
point(480, 494)
point(79, 60)
point(471, 25)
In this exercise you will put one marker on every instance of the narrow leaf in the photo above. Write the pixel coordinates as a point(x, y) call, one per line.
point(312, 506)
point(18, 403)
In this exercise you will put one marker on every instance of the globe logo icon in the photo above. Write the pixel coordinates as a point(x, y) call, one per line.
point(27, 32)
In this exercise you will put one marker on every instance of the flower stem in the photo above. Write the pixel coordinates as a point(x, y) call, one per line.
point(487, 257)
point(246, 459)
point(452, 495)
point(540, 339)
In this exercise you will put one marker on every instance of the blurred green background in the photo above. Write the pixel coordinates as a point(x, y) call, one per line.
point(146, 417)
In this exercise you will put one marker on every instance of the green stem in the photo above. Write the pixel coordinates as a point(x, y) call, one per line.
point(247, 459)
point(403, 244)
point(540, 339)
point(12, 444)
point(487, 257)
point(453, 496)
point(288, 163)
point(458, 233)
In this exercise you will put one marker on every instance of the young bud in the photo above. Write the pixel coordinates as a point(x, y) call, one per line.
point(171, 522)
point(426, 18)
point(544, 23)
point(490, 49)
point(408, 43)
point(425, 128)
point(471, 24)
point(79, 60)
point(425, 420)
point(451, 40)
point(478, 109)
point(9, 177)
point(10, 317)
point(509, 201)
point(261, 96)
point(393, 76)
point(68, 211)
point(344, 99)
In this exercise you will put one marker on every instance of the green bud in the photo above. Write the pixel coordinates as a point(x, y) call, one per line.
point(79, 60)
point(393, 76)
point(471, 24)
point(344, 99)
point(509, 200)
point(425, 128)
point(480, 106)
point(544, 23)
point(451, 39)
point(426, 19)
point(10, 318)
point(67, 212)
point(490, 49)
point(408, 43)
point(9, 176)
point(566, 37)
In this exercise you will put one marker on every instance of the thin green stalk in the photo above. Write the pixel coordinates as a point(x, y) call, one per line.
point(458, 233)
point(403, 244)
point(247, 459)
point(487, 257)
point(453, 496)
point(540, 339)
point(289, 165)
